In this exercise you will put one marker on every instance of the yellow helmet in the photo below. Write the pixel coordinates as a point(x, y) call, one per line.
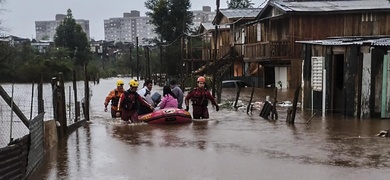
point(120, 82)
point(133, 83)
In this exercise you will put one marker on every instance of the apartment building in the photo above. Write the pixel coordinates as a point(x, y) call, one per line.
point(202, 16)
point(45, 30)
point(128, 28)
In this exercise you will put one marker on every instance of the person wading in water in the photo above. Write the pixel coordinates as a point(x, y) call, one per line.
point(130, 102)
point(114, 96)
point(200, 97)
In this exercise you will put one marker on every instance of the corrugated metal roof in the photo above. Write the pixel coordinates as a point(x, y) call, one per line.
point(239, 13)
point(210, 26)
point(326, 6)
point(379, 41)
point(382, 42)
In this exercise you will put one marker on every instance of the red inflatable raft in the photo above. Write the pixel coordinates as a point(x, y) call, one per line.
point(167, 116)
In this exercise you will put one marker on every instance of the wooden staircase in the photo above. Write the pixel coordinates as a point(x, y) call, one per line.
point(221, 64)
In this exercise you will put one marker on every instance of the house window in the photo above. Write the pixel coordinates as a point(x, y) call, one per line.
point(258, 28)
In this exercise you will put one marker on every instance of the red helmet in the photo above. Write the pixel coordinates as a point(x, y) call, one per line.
point(201, 79)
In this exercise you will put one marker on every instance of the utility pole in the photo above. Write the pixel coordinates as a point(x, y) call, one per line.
point(215, 52)
point(192, 57)
point(161, 59)
point(187, 51)
point(137, 59)
point(147, 71)
point(182, 61)
point(182, 85)
point(130, 59)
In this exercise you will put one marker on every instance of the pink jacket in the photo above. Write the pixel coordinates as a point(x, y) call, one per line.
point(168, 102)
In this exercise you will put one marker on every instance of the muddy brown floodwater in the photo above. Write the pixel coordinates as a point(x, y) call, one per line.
point(231, 145)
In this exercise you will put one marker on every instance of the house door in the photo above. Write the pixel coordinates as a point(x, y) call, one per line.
point(269, 76)
point(338, 84)
point(385, 109)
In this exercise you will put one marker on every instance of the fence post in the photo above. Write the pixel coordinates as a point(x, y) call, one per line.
point(61, 106)
point(274, 115)
point(32, 99)
point(41, 107)
point(250, 101)
point(75, 96)
point(237, 96)
point(294, 108)
point(86, 93)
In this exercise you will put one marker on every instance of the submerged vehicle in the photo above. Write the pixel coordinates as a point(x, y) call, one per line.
point(167, 116)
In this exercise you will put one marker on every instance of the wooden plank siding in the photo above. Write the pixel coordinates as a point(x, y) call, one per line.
point(305, 26)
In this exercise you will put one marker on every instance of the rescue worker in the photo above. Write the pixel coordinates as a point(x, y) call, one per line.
point(130, 101)
point(114, 96)
point(200, 97)
point(145, 93)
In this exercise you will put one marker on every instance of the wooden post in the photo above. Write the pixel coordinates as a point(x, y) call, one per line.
point(250, 100)
point(148, 58)
point(130, 59)
point(192, 57)
point(137, 58)
point(237, 96)
point(215, 51)
point(181, 61)
point(209, 54)
point(41, 107)
point(54, 88)
point(294, 108)
point(274, 115)
point(86, 94)
point(75, 95)
point(61, 106)
point(161, 60)
point(32, 100)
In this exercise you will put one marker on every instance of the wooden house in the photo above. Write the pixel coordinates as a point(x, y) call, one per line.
point(282, 23)
point(230, 40)
point(207, 32)
point(348, 76)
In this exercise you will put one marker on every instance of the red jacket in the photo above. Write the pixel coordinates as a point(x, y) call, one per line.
point(200, 97)
point(129, 100)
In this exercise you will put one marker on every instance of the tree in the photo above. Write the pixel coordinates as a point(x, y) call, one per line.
point(172, 18)
point(71, 36)
point(237, 4)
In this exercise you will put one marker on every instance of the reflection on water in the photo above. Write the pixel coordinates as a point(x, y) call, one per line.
point(341, 147)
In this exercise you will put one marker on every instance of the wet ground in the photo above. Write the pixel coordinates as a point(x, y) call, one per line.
point(231, 145)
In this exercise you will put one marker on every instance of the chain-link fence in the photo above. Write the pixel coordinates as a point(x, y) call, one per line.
point(25, 97)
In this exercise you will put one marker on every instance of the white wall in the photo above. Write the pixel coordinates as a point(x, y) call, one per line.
point(281, 75)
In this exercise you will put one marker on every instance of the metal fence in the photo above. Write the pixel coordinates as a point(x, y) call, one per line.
point(25, 98)
point(21, 135)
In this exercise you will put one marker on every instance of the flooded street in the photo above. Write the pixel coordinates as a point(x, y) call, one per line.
point(231, 145)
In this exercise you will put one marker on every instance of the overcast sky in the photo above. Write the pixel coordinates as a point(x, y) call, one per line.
point(19, 16)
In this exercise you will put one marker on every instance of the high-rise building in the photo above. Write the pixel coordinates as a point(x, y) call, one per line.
point(128, 28)
point(45, 30)
point(202, 16)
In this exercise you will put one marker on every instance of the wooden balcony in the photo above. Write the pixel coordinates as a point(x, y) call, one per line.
point(222, 51)
point(266, 50)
